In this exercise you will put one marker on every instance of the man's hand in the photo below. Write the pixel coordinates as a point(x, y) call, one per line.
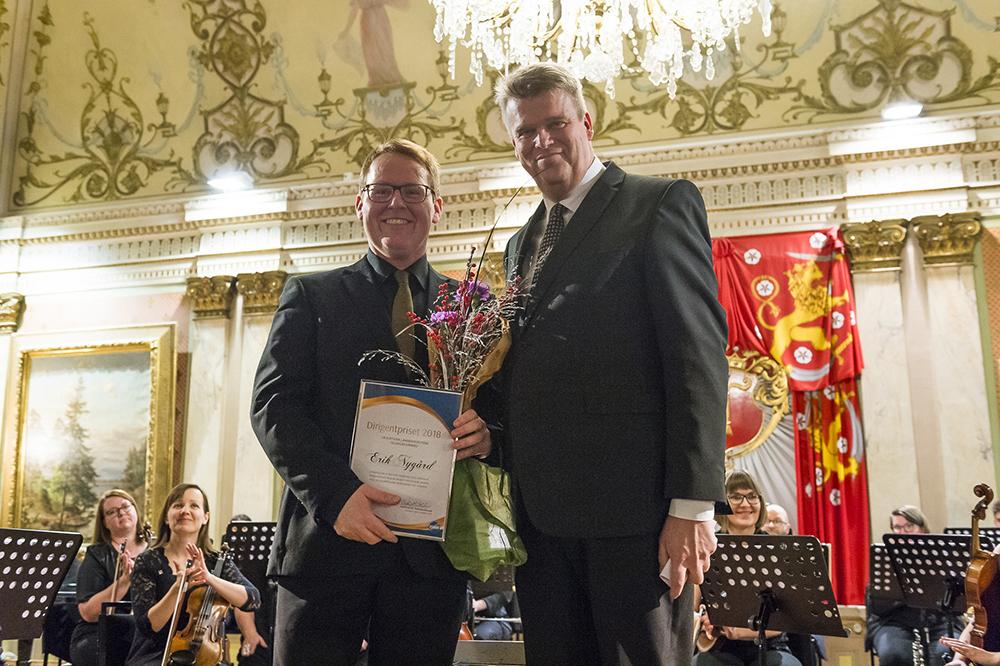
point(470, 436)
point(688, 546)
point(357, 520)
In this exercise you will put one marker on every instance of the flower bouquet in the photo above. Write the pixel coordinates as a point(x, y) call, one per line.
point(468, 335)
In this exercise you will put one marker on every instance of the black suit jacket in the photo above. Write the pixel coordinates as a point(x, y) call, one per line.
point(304, 401)
point(616, 380)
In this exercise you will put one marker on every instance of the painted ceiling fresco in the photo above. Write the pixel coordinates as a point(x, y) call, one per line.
point(144, 98)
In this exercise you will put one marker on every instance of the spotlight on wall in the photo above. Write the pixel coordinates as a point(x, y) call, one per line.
point(232, 181)
point(900, 107)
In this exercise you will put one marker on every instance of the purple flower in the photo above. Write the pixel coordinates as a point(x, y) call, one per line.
point(445, 317)
point(478, 291)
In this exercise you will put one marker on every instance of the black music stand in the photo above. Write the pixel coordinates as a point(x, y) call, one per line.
point(931, 572)
point(250, 548)
point(989, 537)
point(33, 564)
point(771, 583)
point(882, 576)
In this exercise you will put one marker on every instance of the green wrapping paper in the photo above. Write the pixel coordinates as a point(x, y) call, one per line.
point(481, 535)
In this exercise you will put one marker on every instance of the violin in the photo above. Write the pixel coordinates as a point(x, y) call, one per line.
point(202, 641)
point(982, 586)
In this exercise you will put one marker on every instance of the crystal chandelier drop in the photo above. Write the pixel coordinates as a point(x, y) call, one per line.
point(593, 38)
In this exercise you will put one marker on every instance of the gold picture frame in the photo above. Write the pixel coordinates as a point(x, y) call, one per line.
point(119, 415)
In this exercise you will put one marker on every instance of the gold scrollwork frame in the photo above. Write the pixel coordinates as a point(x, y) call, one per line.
point(771, 391)
point(158, 340)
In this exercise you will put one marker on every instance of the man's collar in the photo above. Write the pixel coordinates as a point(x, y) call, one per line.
point(419, 269)
point(575, 197)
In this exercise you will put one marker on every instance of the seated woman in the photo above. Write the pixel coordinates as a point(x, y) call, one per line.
point(116, 524)
point(183, 535)
point(891, 625)
point(735, 645)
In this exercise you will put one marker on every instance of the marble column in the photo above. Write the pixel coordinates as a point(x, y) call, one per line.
point(957, 364)
point(255, 481)
point(210, 349)
point(875, 250)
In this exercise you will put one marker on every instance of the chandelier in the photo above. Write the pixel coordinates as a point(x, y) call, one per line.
point(593, 38)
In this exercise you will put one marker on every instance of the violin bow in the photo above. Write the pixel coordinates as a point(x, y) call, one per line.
point(118, 572)
point(176, 613)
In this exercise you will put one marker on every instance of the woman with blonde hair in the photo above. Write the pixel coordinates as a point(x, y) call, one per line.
point(116, 524)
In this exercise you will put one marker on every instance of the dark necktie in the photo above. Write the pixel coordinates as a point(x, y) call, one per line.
point(553, 229)
point(402, 304)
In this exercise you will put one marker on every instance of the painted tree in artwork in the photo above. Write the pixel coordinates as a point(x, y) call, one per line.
point(69, 492)
point(134, 476)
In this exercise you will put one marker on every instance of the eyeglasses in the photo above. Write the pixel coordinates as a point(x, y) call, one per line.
point(111, 513)
point(411, 192)
point(753, 499)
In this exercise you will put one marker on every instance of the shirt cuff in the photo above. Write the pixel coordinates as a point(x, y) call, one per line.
point(700, 510)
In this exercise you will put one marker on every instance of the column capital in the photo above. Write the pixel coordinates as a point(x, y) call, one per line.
point(261, 291)
point(948, 240)
point(11, 310)
point(876, 245)
point(211, 297)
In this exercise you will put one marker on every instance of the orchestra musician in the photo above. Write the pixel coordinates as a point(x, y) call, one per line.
point(118, 540)
point(892, 626)
point(738, 647)
point(182, 531)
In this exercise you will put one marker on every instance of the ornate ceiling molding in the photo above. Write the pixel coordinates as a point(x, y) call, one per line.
point(211, 297)
point(875, 246)
point(948, 240)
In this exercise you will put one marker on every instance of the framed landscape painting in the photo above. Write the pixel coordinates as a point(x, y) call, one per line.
point(93, 411)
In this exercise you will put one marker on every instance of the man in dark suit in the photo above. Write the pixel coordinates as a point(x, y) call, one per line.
point(615, 392)
point(342, 575)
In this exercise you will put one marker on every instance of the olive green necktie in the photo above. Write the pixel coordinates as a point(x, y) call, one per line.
point(402, 304)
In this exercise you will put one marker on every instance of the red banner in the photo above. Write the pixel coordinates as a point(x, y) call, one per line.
point(789, 296)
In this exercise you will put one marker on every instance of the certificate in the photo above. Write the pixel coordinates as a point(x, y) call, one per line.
point(402, 445)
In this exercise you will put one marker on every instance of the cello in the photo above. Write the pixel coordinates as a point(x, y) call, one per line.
point(202, 641)
point(982, 585)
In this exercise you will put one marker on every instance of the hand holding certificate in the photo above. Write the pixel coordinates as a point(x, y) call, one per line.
point(402, 445)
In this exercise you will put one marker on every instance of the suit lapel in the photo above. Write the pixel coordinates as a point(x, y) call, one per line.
point(359, 282)
point(587, 216)
point(515, 258)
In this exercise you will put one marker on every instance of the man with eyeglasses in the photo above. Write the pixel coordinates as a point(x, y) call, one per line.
point(342, 576)
point(777, 521)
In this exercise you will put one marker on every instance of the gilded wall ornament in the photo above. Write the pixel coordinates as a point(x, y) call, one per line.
point(895, 51)
point(111, 161)
point(757, 401)
point(708, 107)
point(387, 110)
point(260, 291)
point(245, 132)
point(875, 246)
point(11, 311)
point(4, 29)
point(948, 240)
point(211, 297)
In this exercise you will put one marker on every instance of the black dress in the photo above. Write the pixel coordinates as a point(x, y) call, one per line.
point(151, 580)
point(96, 573)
